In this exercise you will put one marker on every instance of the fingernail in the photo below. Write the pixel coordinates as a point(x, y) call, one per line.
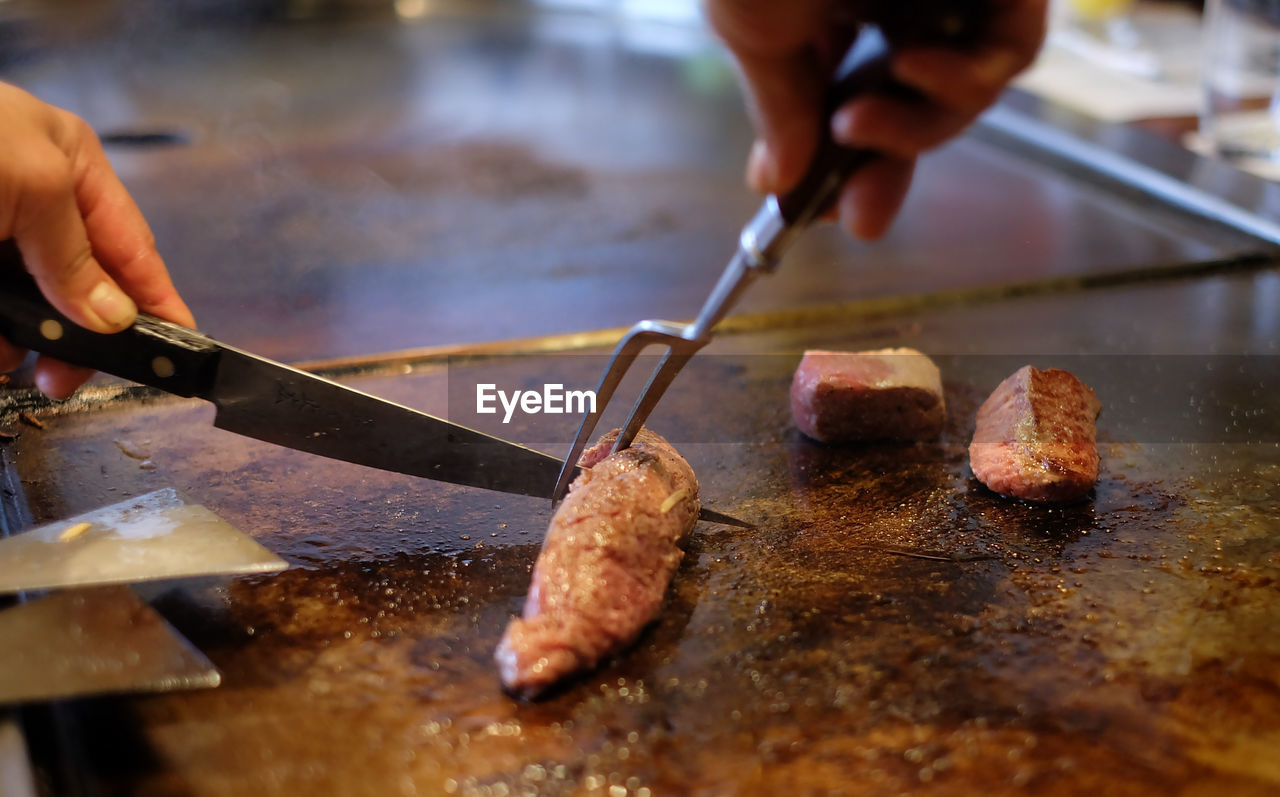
point(762, 172)
point(842, 126)
point(111, 305)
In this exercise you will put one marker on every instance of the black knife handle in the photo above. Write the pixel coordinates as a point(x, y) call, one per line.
point(152, 352)
point(866, 70)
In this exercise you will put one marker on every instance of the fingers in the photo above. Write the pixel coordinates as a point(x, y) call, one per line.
point(785, 53)
point(50, 232)
point(899, 127)
point(969, 80)
point(872, 198)
point(955, 84)
point(121, 238)
point(11, 356)
point(54, 378)
point(956, 80)
point(80, 234)
point(57, 379)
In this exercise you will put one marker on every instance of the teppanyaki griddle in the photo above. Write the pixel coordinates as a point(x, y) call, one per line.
point(892, 624)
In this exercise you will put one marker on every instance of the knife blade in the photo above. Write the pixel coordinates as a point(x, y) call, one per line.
point(266, 400)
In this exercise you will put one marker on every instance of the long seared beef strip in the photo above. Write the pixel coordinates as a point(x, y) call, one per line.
point(610, 552)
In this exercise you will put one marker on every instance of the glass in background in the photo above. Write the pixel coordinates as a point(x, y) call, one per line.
point(1240, 115)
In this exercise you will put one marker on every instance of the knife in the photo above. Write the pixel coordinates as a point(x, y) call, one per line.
point(270, 401)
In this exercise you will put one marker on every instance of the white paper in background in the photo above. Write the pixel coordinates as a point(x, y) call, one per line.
point(1265, 169)
point(1119, 85)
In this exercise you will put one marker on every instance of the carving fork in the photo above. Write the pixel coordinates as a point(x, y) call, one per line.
point(761, 244)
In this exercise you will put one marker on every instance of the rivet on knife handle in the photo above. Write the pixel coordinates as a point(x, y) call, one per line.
point(152, 352)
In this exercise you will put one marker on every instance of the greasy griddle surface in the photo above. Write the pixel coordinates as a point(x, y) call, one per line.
point(890, 626)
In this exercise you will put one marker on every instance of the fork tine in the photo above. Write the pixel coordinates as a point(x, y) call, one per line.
point(659, 380)
point(624, 355)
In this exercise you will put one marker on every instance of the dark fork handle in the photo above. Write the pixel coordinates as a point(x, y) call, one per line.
point(152, 352)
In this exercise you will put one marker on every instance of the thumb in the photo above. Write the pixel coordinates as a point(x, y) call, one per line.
point(50, 232)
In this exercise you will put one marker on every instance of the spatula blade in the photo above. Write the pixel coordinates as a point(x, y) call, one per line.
point(151, 537)
point(94, 641)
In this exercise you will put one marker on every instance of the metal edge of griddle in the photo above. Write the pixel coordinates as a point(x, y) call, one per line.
point(1128, 157)
point(601, 341)
point(16, 771)
point(16, 777)
point(57, 754)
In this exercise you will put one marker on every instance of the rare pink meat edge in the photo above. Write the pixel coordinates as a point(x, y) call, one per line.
point(610, 552)
point(887, 394)
point(1035, 437)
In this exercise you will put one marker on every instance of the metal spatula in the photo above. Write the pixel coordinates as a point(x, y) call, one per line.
point(94, 641)
point(154, 536)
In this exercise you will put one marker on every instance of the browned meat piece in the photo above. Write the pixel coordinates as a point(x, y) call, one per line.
point(888, 394)
point(610, 552)
point(1036, 438)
